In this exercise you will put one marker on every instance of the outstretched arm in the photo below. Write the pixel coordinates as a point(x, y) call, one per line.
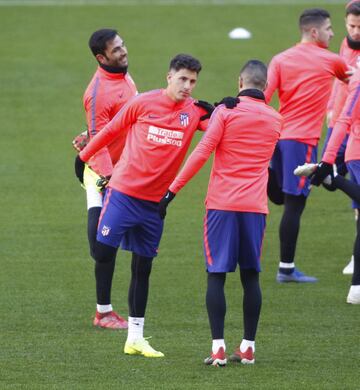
point(196, 160)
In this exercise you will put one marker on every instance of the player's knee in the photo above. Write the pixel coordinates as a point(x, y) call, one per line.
point(141, 266)
point(92, 246)
point(295, 204)
point(93, 219)
point(104, 253)
point(249, 278)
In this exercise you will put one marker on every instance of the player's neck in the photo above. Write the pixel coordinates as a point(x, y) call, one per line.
point(114, 69)
point(172, 97)
point(311, 41)
point(252, 92)
point(355, 45)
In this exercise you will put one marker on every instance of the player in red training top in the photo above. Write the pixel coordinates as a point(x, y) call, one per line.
point(110, 88)
point(244, 140)
point(160, 125)
point(349, 120)
point(350, 51)
point(303, 76)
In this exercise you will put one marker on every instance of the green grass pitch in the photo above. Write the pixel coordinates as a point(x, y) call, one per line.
point(308, 337)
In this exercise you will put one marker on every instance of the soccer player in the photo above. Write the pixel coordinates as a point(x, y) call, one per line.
point(243, 139)
point(350, 52)
point(303, 76)
point(348, 121)
point(110, 88)
point(159, 125)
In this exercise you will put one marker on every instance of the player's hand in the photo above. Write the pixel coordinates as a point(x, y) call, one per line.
point(350, 72)
point(209, 108)
point(103, 182)
point(323, 169)
point(229, 101)
point(80, 141)
point(79, 169)
point(328, 182)
point(164, 202)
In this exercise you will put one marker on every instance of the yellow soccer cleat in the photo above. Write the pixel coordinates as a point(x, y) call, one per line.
point(141, 347)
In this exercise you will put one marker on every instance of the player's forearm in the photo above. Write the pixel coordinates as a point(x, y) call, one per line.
point(194, 163)
point(199, 156)
point(192, 166)
point(350, 188)
point(336, 139)
point(101, 162)
point(101, 139)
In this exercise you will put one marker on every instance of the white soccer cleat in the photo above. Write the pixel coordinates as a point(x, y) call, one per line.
point(354, 295)
point(349, 269)
point(305, 170)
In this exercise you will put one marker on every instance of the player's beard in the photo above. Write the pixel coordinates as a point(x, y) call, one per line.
point(114, 69)
point(355, 45)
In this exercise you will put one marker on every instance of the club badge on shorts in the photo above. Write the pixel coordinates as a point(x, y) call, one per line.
point(105, 230)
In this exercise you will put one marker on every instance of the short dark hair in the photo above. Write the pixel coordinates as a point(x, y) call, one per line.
point(313, 17)
point(254, 73)
point(185, 61)
point(353, 8)
point(99, 39)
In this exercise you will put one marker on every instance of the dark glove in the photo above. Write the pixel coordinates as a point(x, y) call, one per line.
point(229, 101)
point(103, 182)
point(209, 108)
point(164, 202)
point(324, 169)
point(328, 182)
point(79, 169)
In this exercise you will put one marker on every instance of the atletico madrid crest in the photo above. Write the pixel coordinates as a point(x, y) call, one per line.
point(184, 119)
point(105, 230)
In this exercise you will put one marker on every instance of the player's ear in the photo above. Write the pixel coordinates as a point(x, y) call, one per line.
point(168, 77)
point(241, 82)
point(100, 58)
point(314, 33)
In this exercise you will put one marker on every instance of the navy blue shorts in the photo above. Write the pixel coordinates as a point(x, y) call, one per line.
point(287, 156)
point(133, 224)
point(354, 170)
point(231, 238)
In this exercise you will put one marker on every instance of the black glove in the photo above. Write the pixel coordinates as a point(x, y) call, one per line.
point(164, 202)
point(79, 169)
point(209, 108)
point(103, 182)
point(322, 170)
point(328, 182)
point(229, 101)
